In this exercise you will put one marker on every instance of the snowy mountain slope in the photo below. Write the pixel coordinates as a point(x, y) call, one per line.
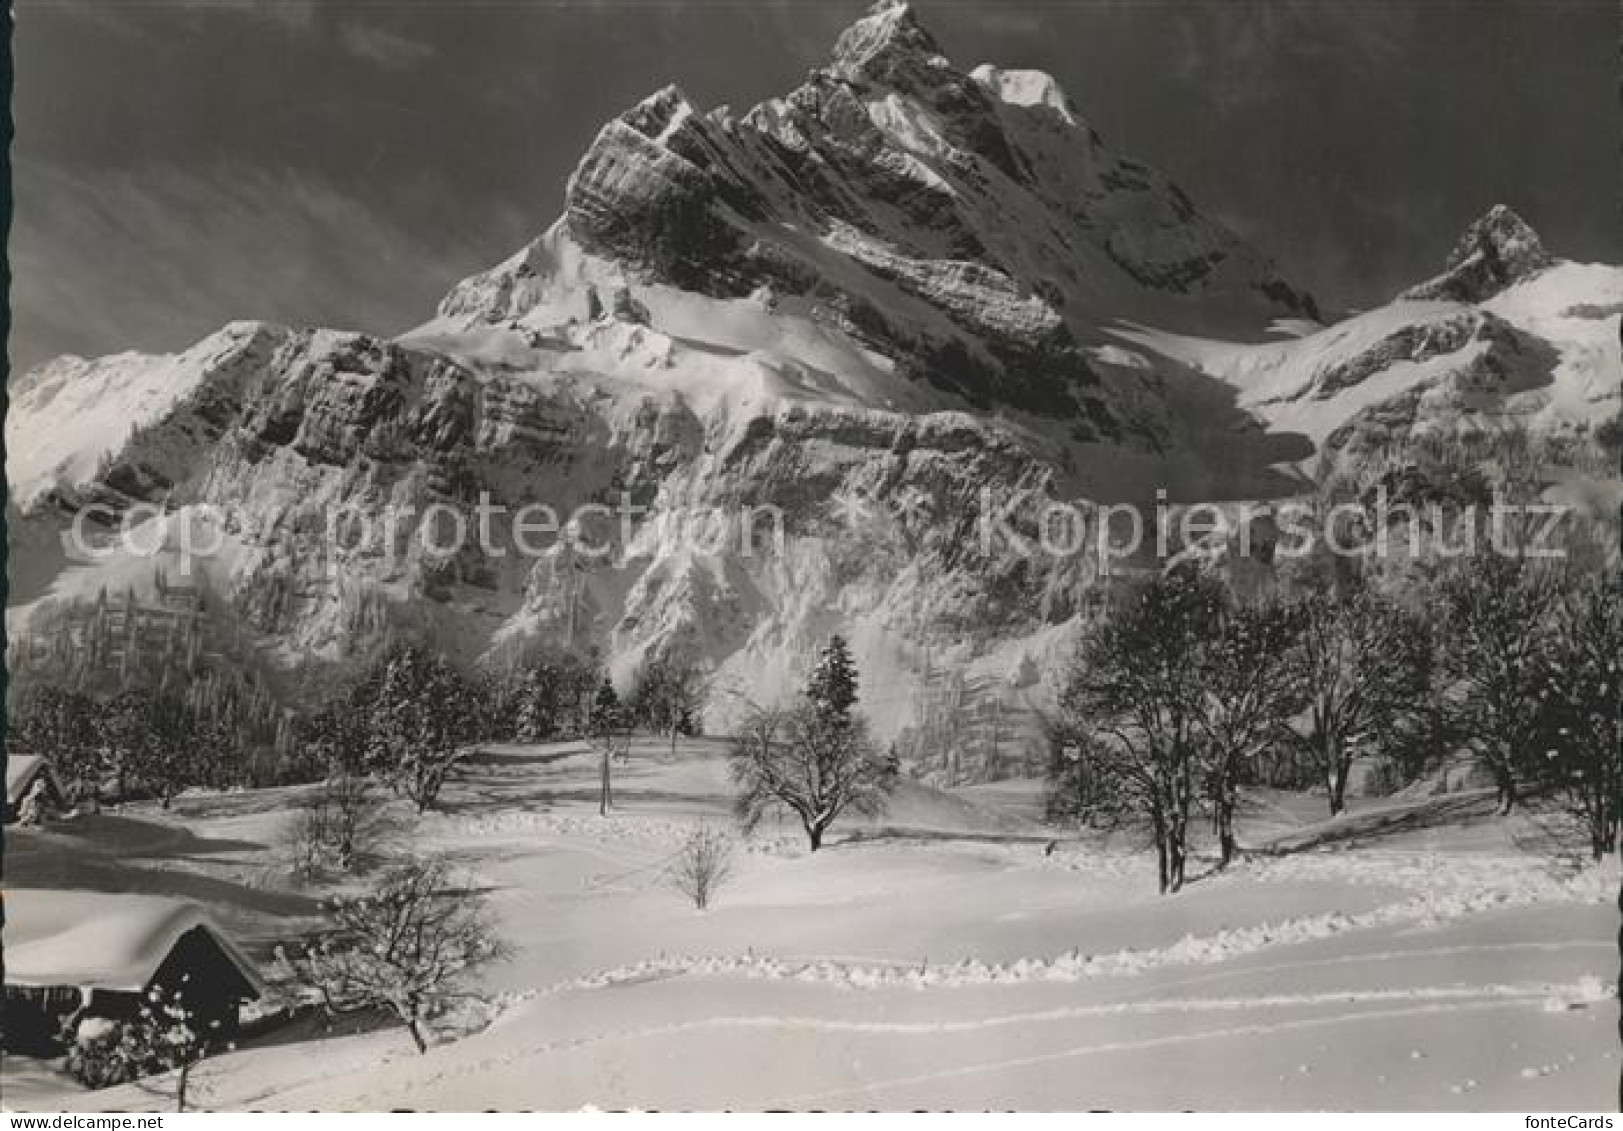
point(1508, 333)
point(156, 414)
point(875, 310)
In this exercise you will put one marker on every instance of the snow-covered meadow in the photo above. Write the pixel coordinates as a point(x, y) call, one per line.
point(1416, 953)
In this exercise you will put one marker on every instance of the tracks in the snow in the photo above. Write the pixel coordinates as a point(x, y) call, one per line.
point(1351, 1006)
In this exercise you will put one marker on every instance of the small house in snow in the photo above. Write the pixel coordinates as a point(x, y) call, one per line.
point(75, 955)
point(31, 778)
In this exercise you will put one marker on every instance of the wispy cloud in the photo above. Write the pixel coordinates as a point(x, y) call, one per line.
point(1244, 54)
point(147, 21)
point(156, 258)
point(384, 47)
point(293, 14)
point(307, 20)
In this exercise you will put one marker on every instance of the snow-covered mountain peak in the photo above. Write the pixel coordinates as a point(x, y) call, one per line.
point(659, 115)
point(887, 46)
point(1027, 88)
point(969, 227)
point(1498, 250)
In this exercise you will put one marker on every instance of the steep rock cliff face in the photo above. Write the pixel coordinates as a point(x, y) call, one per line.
point(747, 501)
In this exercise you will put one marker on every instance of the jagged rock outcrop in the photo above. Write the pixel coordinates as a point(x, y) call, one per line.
point(1504, 354)
point(1499, 249)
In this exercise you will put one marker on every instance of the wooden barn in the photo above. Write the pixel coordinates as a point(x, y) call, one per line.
point(73, 955)
point(26, 773)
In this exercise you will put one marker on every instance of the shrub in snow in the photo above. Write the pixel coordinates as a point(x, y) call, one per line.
point(164, 1036)
point(345, 828)
point(407, 946)
point(92, 1049)
point(702, 864)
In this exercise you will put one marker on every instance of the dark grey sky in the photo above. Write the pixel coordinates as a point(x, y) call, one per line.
point(342, 162)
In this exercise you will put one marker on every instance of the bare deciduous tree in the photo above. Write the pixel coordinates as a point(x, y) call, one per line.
point(817, 764)
point(407, 946)
point(1249, 696)
point(1496, 615)
point(1133, 705)
point(668, 695)
point(1364, 667)
point(1583, 707)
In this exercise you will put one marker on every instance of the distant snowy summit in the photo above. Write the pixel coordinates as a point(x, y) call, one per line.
point(1507, 337)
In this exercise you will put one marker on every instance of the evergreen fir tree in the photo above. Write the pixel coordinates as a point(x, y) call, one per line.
point(833, 684)
point(606, 721)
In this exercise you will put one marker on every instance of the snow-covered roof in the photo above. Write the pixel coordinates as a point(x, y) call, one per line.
point(21, 770)
point(102, 940)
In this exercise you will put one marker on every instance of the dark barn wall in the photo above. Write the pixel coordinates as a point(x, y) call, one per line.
point(196, 967)
point(208, 981)
point(31, 1019)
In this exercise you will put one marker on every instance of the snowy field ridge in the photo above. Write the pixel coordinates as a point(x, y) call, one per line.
point(1447, 889)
